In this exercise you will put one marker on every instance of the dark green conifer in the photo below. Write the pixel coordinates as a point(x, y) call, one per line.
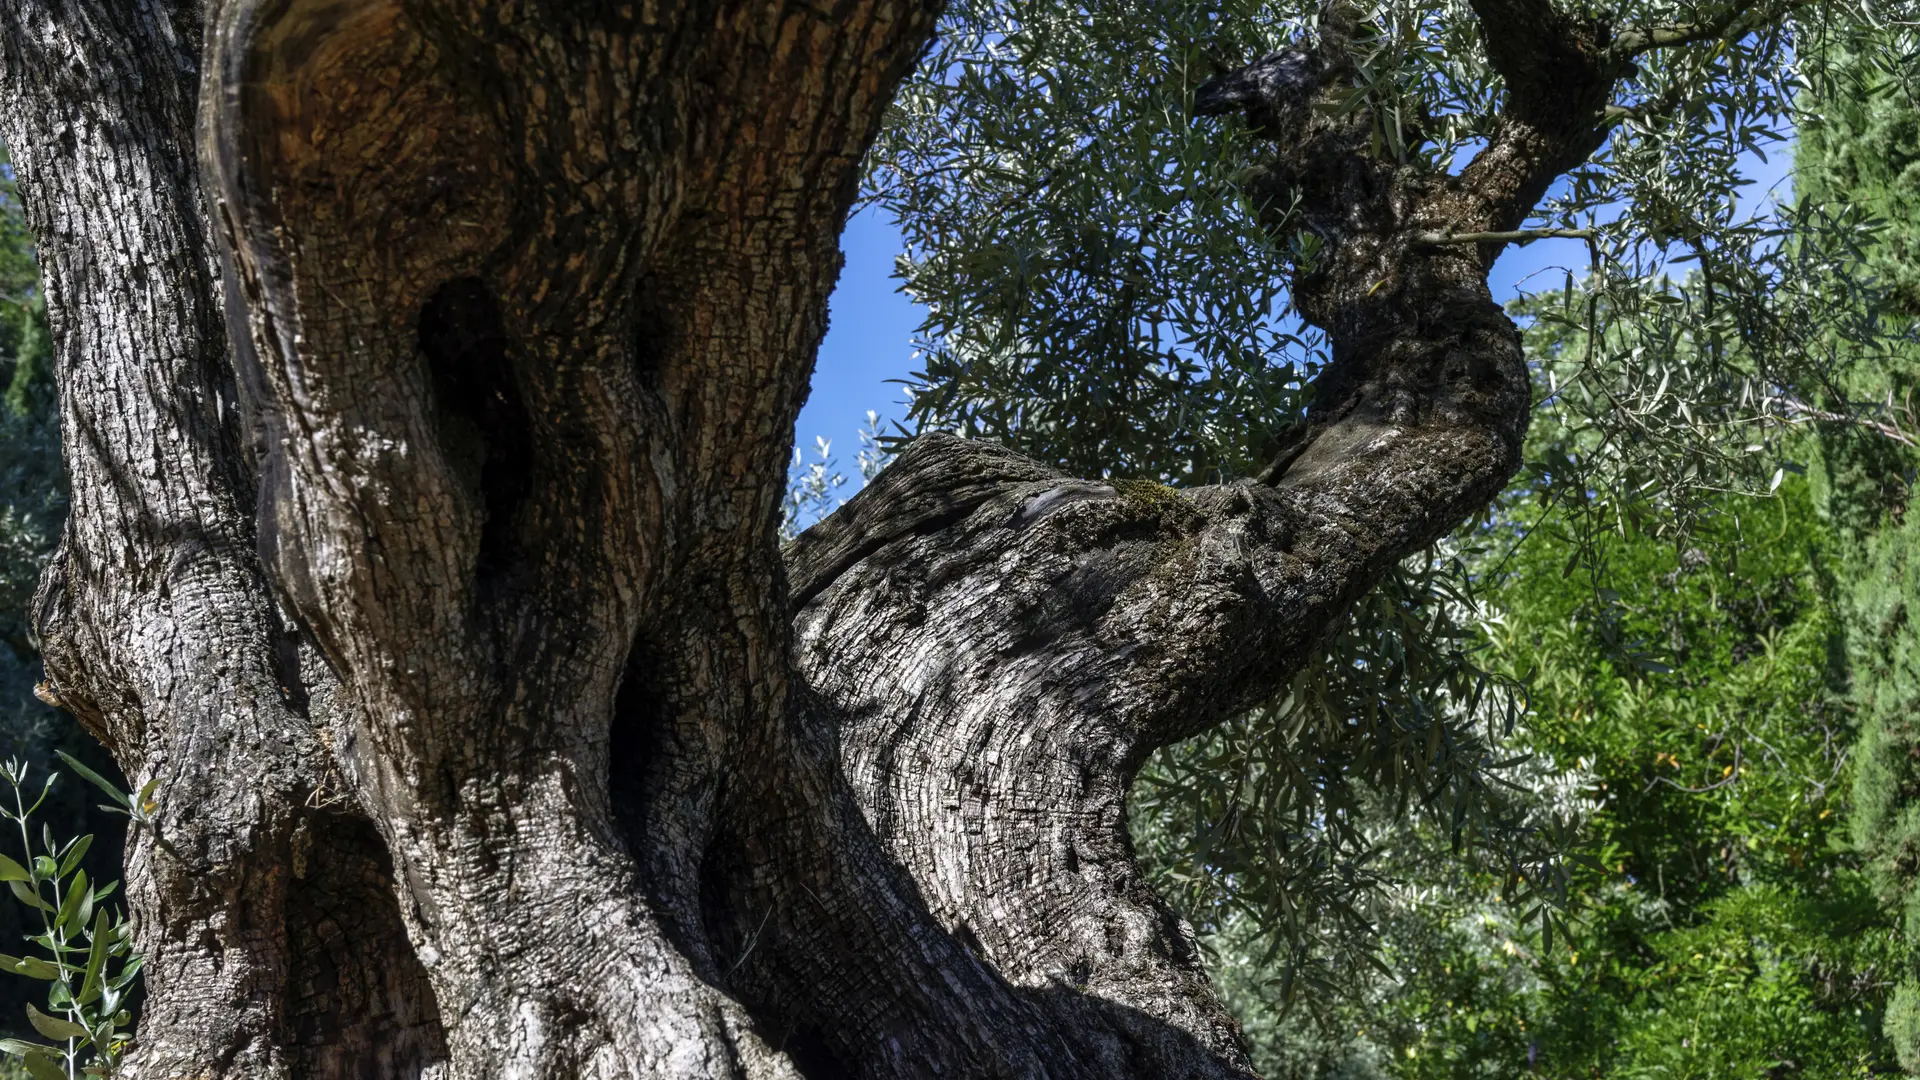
point(1863, 156)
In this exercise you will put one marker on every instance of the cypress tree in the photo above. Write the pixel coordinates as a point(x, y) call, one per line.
point(1863, 157)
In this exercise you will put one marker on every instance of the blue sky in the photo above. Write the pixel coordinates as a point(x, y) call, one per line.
point(869, 339)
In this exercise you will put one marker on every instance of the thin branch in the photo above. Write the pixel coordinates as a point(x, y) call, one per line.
point(1804, 413)
point(1512, 236)
point(1648, 38)
point(1672, 98)
point(1735, 20)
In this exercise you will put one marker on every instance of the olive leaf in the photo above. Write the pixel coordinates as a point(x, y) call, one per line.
point(90, 985)
point(53, 1027)
point(70, 906)
point(43, 1067)
point(95, 779)
point(31, 966)
point(29, 896)
point(74, 854)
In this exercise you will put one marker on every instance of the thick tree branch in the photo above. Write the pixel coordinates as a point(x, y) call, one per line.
point(1559, 78)
point(1000, 668)
point(1001, 646)
point(1542, 53)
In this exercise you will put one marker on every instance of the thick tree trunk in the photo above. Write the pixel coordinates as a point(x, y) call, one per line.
point(428, 369)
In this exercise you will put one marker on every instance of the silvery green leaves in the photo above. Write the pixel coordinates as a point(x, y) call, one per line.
point(814, 486)
point(1100, 292)
point(81, 941)
point(1707, 321)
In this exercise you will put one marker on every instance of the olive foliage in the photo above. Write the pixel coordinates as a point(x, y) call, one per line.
point(1688, 710)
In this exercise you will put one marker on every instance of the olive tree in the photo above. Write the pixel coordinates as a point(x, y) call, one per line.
point(427, 372)
point(1096, 271)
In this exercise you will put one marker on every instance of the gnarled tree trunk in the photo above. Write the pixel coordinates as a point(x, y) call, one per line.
point(428, 369)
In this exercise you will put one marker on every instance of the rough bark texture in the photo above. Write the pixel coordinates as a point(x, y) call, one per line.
point(428, 369)
point(154, 617)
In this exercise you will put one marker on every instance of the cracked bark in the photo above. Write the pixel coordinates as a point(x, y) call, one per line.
point(428, 369)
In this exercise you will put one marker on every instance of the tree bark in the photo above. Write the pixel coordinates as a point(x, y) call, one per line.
point(154, 617)
point(428, 370)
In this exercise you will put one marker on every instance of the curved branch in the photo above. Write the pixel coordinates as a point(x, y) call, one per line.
point(1000, 669)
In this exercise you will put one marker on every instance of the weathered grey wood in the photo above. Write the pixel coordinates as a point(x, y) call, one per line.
point(428, 369)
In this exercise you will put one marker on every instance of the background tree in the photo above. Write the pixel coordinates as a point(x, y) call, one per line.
point(1687, 710)
point(426, 377)
point(1862, 147)
point(32, 499)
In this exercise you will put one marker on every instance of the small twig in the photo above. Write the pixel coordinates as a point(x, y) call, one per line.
point(1514, 236)
point(1648, 38)
point(1646, 112)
